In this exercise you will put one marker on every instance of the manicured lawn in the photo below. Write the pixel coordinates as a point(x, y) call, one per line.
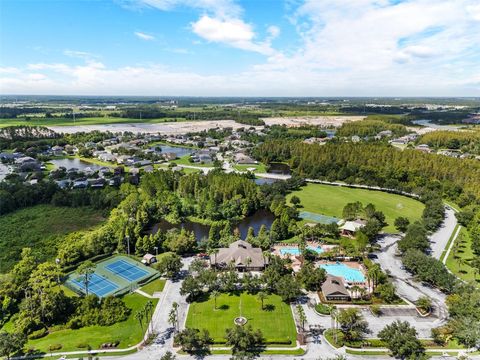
point(127, 332)
point(330, 200)
point(275, 321)
point(184, 161)
point(154, 286)
point(464, 252)
point(82, 121)
point(41, 228)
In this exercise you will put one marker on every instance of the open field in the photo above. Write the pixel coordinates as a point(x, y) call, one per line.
point(459, 257)
point(128, 332)
point(40, 227)
point(327, 121)
point(330, 200)
point(275, 321)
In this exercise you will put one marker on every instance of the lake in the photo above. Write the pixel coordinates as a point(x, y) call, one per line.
point(74, 163)
point(261, 217)
point(177, 150)
point(279, 168)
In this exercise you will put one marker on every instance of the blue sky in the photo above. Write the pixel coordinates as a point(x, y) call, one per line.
point(232, 47)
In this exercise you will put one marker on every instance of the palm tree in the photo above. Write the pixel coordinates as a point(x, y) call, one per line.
point(139, 316)
point(149, 313)
point(475, 263)
point(461, 262)
point(355, 290)
point(262, 296)
point(374, 273)
point(215, 294)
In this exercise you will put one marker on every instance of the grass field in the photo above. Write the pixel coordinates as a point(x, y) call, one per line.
point(128, 332)
point(184, 161)
point(82, 121)
point(260, 168)
point(458, 261)
point(153, 286)
point(275, 321)
point(40, 227)
point(330, 200)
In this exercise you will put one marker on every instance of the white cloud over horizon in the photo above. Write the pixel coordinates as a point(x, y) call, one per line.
point(347, 48)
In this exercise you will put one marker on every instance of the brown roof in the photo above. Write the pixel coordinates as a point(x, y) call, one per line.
point(239, 252)
point(333, 285)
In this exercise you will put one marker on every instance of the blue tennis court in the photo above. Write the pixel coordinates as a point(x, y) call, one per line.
point(126, 270)
point(97, 285)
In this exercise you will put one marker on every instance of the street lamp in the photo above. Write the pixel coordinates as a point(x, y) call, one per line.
point(156, 250)
point(57, 261)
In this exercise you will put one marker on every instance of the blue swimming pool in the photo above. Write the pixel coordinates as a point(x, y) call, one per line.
point(348, 273)
point(296, 250)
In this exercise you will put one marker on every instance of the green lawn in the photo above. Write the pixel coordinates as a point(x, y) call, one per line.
point(128, 332)
point(275, 321)
point(154, 286)
point(464, 252)
point(82, 121)
point(330, 200)
point(41, 228)
point(184, 161)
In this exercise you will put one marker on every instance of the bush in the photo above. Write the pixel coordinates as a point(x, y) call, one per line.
point(82, 346)
point(375, 309)
point(54, 347)
point(38, 334)
point(323, 309)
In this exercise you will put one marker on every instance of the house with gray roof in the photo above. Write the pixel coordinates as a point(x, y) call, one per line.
point(333, 289)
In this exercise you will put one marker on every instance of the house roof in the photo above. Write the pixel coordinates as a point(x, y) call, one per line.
point(353, 226)
point(241, 253)
point(333, 286)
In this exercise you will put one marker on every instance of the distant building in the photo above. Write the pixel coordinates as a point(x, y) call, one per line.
point(350, 228)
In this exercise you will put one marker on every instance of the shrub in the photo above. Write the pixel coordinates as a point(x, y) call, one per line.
point(38, 334)
point(54, 347)
point(82, 346)
point(323, 309)
point(375, 309)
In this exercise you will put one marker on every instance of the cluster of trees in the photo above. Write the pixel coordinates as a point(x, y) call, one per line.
point(468, 141)
point(375, 219)
point(31, 298)
point(380, 165)
point(369, 127)
point(429, 269)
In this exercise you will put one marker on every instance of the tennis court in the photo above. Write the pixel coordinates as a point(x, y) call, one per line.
point(126, 270)
point(97, 285)
point(114, 276)
point(319, 218)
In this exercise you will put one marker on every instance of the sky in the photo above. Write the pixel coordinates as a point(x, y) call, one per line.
point(240, 47)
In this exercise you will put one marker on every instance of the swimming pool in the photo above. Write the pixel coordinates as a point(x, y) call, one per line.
point(296, 250)
point(348, 273)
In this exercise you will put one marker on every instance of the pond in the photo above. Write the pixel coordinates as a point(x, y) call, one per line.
point(429, 123)
point(74, 163)
point(263, 181)
point(279, 168)
point(261, 217)
point(177, 150)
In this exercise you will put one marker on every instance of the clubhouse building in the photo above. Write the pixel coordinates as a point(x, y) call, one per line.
point(241, 255)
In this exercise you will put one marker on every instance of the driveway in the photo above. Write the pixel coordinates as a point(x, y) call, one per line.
point(439, 239)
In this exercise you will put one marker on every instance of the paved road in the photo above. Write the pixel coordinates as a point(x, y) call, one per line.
point(406, 287)
point(439, 239)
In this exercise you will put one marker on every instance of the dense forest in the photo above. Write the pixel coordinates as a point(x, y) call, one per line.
point(467, 141)
point(370, 128)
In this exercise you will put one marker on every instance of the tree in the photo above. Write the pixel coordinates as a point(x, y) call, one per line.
point(401, 223)
point(311, 277)
point(11, 343)
point(215, 294)
point(194, 340)
point(288, 288)
point(180, 241)
point(169, 265)
point(86, 271)
point(295, 201)
point(168, 356)
point(262, 296)
point(352, 324)
point(190, 288)
point(401, 339)
point(140, 316)
point(301, 316)
point(244, 341)
point(424, 303)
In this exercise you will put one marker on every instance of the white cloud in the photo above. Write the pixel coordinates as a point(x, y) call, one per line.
point(232, 32)
point(144, 36)
point(79, 54)
point(273, 31)
point(220, 8)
